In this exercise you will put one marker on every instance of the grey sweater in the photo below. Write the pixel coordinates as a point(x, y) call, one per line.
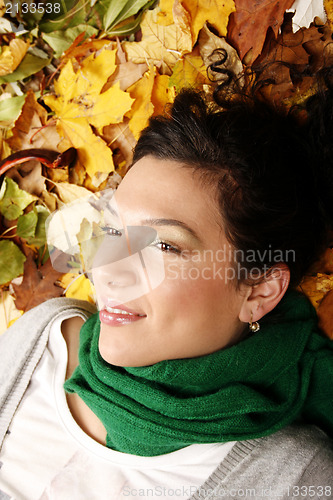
point(296, 461)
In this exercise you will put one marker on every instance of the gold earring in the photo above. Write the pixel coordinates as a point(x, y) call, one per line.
point(254, 327)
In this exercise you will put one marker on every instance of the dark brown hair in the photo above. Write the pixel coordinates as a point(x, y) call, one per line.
point(267, 171)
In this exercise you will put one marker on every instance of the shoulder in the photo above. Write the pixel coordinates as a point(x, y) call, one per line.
point(23, 345)
point(300, 445)
point(298, 456)
point(298, 435)
point(278, 465)
point(34, 321)
point(30, 332)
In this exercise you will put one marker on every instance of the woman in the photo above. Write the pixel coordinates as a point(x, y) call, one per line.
point(214, 381)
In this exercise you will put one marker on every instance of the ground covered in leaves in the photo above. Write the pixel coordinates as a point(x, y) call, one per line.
point(89, 74)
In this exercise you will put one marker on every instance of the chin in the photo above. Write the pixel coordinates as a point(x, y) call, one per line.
point(118, 357)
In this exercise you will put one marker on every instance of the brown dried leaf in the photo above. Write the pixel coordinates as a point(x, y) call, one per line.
point(309, 48)
point(121, 140)
point(28, 177)
point(38, 285)
point(28, 132)
point(249, 24)
point(51, 200)
point(208, 43)
point(127, 73)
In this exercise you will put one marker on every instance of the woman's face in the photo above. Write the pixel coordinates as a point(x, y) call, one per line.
point(195, 309)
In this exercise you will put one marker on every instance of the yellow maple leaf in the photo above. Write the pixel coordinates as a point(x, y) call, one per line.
point(93, 153)
point(142, 108)
point(161, 46)
point(214, 12)
point(79, 103)
point(189, 71)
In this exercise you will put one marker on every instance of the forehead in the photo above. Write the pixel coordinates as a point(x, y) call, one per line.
point(165, 188)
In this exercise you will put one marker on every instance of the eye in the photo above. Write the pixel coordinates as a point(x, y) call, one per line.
point(166, 247)
point(111, 231)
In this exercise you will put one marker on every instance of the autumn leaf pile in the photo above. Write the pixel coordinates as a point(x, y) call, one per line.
point(90, 76)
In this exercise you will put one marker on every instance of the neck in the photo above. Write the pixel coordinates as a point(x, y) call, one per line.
point(82, 414)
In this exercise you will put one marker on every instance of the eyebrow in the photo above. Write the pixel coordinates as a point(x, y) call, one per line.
point(171, 222)
point(163, 222)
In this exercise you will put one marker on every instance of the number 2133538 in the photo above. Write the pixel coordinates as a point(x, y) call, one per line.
point(33, 8)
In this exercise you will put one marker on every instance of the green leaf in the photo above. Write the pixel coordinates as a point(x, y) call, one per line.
point(75, 13)
point(124, 29)
point(39, 238)
point(43, 254)
point(10, 108)
point(132, 7)
point(15, 200)
point(60, 40)
point(12, 261)
point(45, 11)
point(26, 225)
point(113, 12)
point(30, 65)
point(31, 19)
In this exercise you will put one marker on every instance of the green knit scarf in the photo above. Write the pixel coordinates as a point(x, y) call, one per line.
point(252, 389)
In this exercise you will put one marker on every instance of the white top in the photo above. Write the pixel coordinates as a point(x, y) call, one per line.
point(48, 456)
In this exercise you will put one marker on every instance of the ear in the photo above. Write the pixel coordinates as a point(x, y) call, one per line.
point(262, 298)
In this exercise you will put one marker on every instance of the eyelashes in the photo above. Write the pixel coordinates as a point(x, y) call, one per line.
point(166, 247)
point(111, 231)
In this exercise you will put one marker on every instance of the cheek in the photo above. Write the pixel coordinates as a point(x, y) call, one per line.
point(192, 289)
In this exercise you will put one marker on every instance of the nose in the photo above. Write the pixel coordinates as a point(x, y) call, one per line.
point(121, 278)
point(124, 280)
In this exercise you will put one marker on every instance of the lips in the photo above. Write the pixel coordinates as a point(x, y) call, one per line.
point(118, 315)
